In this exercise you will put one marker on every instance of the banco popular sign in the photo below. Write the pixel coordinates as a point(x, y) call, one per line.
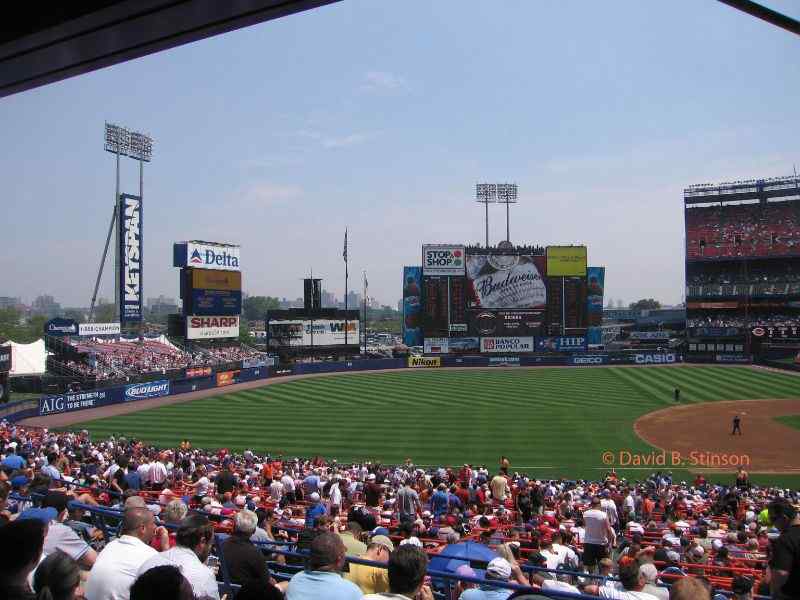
point(507, 344)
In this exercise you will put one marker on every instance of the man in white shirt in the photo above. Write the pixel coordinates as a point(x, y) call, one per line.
point(288, 486)
point(158, 474)
point(194, 540)
point(610, 507)
point(629, 587)
point(144, 473)
point(597, 536)
point(117, 565)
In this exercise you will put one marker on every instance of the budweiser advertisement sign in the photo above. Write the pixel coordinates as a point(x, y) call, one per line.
point(205, 328)
point(506, 281)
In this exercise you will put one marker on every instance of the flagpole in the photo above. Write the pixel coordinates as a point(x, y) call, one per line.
point(364, 302)
point(345, 289)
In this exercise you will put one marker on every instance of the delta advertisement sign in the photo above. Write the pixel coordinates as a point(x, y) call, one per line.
point(507, 344)
point(441, 259)
point(206, 255)
point(205, 328)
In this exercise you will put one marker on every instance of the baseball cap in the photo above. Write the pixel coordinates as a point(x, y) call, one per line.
point(45, 515)
point(314, 497)
point(371, 477)
point(380, 531)
point(383, 541)
point(19, 481)
point(499, 568)
point(673, 556)
point(413, 541)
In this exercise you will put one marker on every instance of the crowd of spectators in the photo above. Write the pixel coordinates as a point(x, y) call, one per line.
point(610, 538)
point(785, 272)
point(771, 229)
point(105, 359)
point(722, 319)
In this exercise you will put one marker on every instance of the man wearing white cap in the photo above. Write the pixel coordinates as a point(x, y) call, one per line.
point(498, 569)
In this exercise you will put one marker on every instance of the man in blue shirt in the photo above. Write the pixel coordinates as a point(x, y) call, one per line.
point(314, 512)
point(439, 501)
point(12, 460)
point(311, 483)
point(322, 578)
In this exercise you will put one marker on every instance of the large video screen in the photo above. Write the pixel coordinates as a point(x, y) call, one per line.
point(506, 281)
point(298, 333)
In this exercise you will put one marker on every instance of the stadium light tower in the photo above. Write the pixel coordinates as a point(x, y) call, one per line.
point(486, 193)
point(120, 141)
point(507, 194)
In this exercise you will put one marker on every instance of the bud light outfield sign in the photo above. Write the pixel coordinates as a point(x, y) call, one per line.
point(206, 255)
point(150, 389)
point(130, 257)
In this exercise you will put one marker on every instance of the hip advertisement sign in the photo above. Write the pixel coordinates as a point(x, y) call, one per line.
point(442, 259)
point(506, 281)
point(561, 344)
point(424, 362)
point(507, 344)
point(131, 255)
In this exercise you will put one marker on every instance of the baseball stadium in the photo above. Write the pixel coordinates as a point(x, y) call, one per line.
point(515, 436)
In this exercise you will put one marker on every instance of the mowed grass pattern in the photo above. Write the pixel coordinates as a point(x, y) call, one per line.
point(556, 421)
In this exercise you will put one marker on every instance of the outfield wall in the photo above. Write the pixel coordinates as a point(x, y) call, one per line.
point(211, 378)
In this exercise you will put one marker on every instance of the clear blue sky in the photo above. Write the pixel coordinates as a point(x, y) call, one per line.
point(382, 116)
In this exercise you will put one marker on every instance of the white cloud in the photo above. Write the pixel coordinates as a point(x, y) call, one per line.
point(334, 141)
point(382, 81)
point(267, 193)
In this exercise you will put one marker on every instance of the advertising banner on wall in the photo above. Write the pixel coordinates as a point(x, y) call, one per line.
point(257, 363)
point(149, 389)
point(198, 372)
point(216, 302)
point(60, 327)
point(436, 345)
point(206, 255)
point(649, 335)
point(131, 258)
point(49, 405)
point(506, 281)
point(595, 280)
point(442, 259)
point(5, 359)
point(561, 344)
point(319, 332)
point(504, 361)
point(507, 344)
point(226, 378)
point(208, 279)
point(99, 329)
point(776, 332)
point(566, 261)
point(505, 322)
point(204, 328)
point(412, 286)
point(653, 358)
point(463, 345)
point(424, 362)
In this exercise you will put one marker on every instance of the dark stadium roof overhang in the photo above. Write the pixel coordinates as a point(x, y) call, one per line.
point(46, 42)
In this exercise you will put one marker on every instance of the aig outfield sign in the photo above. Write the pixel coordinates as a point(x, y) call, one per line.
point(440, 259)
point(49, 405)
point(206, 255)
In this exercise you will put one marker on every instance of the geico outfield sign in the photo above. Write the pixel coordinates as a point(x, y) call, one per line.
point(202, 328)
point(424, 362)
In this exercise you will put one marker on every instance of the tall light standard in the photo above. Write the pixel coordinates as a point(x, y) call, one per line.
point(120, 141)
point(507, 194)
point(486, 193)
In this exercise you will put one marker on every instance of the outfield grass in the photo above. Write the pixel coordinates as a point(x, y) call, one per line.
point(790, 420)
point(553, 422)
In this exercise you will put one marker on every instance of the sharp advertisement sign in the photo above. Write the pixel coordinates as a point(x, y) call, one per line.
point(305, 333)
point(205, 328)
point(506, 281)
point(130, 253)
point(442, 259)
point(206, 255)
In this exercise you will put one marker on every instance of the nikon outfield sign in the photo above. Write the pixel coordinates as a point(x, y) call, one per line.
point(424, 362)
